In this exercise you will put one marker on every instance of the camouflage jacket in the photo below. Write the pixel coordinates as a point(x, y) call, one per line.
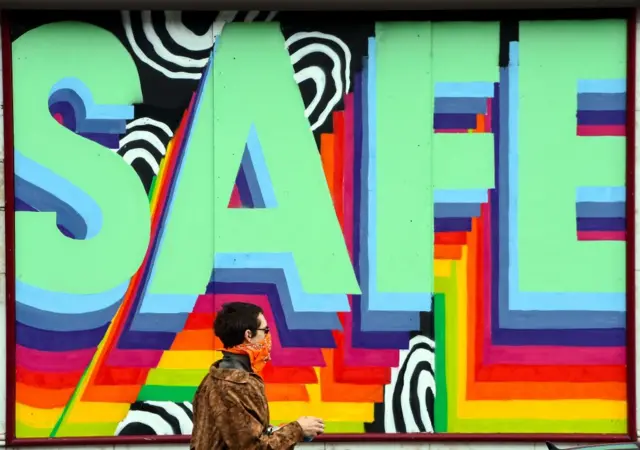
point(230, 411)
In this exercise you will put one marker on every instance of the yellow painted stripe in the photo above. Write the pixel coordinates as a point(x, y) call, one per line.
point(97, 412)
point(442, 268)
point(37, 417)
point(188, 359)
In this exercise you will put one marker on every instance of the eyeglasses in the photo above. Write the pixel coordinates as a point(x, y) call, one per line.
point(265, 329)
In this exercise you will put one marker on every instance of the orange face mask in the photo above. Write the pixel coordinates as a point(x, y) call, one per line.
point(258, 353)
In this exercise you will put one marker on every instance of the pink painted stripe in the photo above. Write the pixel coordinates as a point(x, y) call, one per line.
point(205, 304)
point(601, 130)
point(134, 358)
point(281, 356)
point(485, 217)
point(450, 130)
point(562, 356)
point(602, 235)
point(235, 201)
point(62, 362)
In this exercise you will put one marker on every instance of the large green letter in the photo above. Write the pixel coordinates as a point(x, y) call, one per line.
point(46, 258)
point(553, 162)
point(252, 88)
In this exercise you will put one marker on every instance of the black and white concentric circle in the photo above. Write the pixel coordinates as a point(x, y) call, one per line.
point(145, 143)
point(175, 47)
point(322, 65)
point(409, 399)
point(150, 418)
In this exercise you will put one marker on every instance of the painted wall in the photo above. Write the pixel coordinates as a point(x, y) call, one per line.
point(445, 148)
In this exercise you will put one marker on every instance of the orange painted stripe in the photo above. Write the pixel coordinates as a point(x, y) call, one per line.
point(547, 391)
point(328, 159)
point(448, 252)
point(333, 391)
point(480, 128)
point(39, 397)
point(338, 173)
point(194, 340)
point(115, 394)
point(286, 392)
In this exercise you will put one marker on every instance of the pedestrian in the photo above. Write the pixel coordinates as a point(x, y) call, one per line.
point(230, 409)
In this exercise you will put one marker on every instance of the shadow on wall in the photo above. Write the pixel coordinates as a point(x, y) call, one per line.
point(627, 446)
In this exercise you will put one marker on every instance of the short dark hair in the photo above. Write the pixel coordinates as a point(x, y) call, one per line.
point(233, 320)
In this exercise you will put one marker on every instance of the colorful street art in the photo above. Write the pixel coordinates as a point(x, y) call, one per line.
point(431, 215)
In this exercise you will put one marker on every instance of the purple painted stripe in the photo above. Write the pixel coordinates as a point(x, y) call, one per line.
point(601, 223)
point(571, 338)
point(243, 189)
point(58, 341)
point(288, 338)
point(142, 340)
point(453, 224)
point(602, 117)
point(454, 121)
point(383, 340)
point(499, 117)
point(111, 141)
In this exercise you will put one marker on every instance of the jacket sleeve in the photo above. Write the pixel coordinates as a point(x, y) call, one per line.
point(242, 429)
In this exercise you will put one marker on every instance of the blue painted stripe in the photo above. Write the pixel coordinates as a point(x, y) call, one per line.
point(460, 196)
point(600, 209)
point(460, 105)
point(600, 194)
point(474, 89)
point(618, 86)
point(62, 189)
point(602, 102)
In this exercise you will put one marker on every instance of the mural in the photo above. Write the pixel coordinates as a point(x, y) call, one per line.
point(431, 215)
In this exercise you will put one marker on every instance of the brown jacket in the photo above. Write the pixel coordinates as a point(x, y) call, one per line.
point(230, 411)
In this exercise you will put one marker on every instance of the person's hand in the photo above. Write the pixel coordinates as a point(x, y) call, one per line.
point(311, 426)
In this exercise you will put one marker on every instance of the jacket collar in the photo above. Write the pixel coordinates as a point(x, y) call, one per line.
point(234, 361)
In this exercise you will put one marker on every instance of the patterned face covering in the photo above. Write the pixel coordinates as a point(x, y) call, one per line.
point(259, 353)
